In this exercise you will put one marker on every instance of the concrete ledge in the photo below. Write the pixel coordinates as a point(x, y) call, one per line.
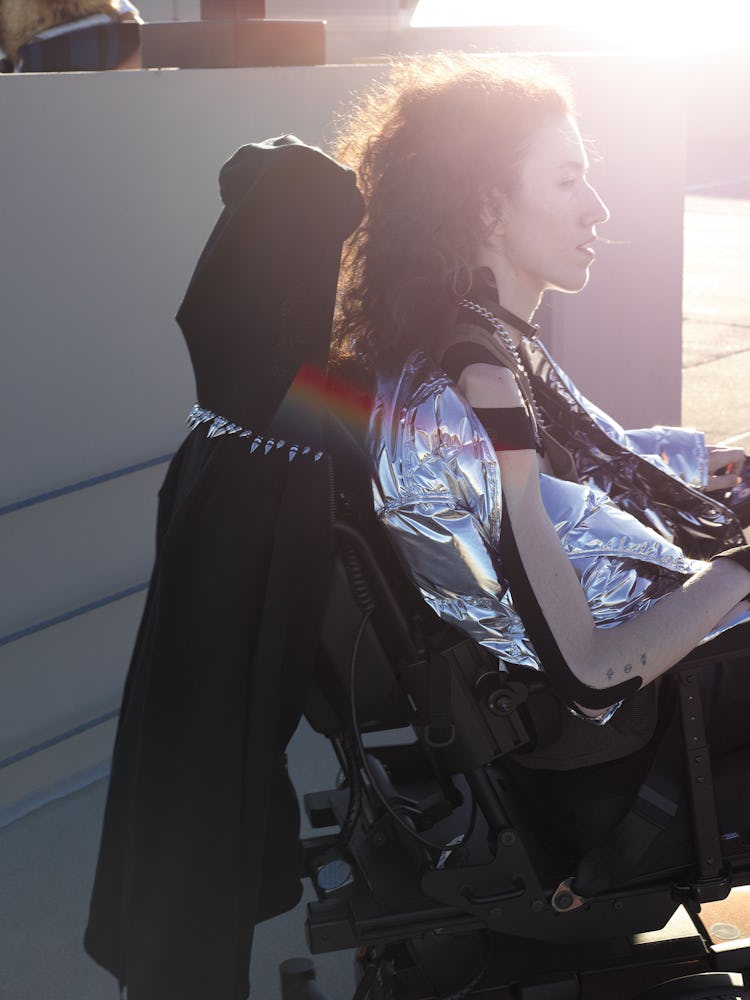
point(226, 44)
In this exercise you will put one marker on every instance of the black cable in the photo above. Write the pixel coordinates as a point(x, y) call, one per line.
point(357, 581)
point(354, 808)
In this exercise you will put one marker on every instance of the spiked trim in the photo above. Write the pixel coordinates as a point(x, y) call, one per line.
point(220, 425)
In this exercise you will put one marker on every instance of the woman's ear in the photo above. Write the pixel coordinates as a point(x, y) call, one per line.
point(493, 211)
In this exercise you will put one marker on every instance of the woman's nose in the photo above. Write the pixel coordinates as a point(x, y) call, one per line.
point(597, 211)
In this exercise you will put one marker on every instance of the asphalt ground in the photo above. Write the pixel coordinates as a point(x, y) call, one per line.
point(716, 313)
point(47, 858)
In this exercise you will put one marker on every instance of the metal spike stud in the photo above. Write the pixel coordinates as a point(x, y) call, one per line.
point(217, 428)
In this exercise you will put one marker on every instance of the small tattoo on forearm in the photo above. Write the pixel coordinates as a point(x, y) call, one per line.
point(628, 668)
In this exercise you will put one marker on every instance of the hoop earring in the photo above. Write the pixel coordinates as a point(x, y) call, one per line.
point(465, 272)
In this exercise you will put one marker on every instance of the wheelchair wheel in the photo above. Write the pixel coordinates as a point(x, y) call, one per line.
point(701, 986)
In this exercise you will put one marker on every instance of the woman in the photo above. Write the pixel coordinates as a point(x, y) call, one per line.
point(488, 462)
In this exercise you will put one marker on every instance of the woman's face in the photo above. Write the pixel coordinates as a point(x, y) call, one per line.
point(545, 237)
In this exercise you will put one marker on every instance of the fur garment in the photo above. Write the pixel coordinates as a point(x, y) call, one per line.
point(22, 20)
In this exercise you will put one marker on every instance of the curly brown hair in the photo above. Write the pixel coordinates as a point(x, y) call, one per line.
point(432, 147)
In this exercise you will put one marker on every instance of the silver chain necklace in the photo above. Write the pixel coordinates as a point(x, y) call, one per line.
point(524, 382)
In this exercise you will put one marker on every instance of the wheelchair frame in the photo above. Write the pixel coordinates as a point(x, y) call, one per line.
point(435, 874)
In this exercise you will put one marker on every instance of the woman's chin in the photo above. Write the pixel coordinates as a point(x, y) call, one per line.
point(572, 284)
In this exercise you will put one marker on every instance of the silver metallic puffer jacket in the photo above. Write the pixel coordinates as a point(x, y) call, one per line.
point(654, 474)
point(437, 490)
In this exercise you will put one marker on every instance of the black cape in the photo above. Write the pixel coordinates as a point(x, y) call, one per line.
point(200, 830)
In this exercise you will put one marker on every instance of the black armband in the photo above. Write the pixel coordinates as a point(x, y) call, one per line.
point(508, 428)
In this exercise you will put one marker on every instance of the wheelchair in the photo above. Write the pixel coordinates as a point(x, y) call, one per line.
point(430, 863)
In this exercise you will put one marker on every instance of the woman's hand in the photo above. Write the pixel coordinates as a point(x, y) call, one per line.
point(724, 468)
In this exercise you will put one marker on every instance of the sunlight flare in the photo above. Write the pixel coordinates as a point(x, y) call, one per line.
point(640, 25)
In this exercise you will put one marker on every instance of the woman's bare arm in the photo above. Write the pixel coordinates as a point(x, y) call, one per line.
point(644, 646)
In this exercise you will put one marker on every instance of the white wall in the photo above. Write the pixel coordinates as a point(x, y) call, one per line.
point(108, 189)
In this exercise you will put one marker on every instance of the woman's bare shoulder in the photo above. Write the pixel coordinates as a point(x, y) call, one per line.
point(489, 386)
